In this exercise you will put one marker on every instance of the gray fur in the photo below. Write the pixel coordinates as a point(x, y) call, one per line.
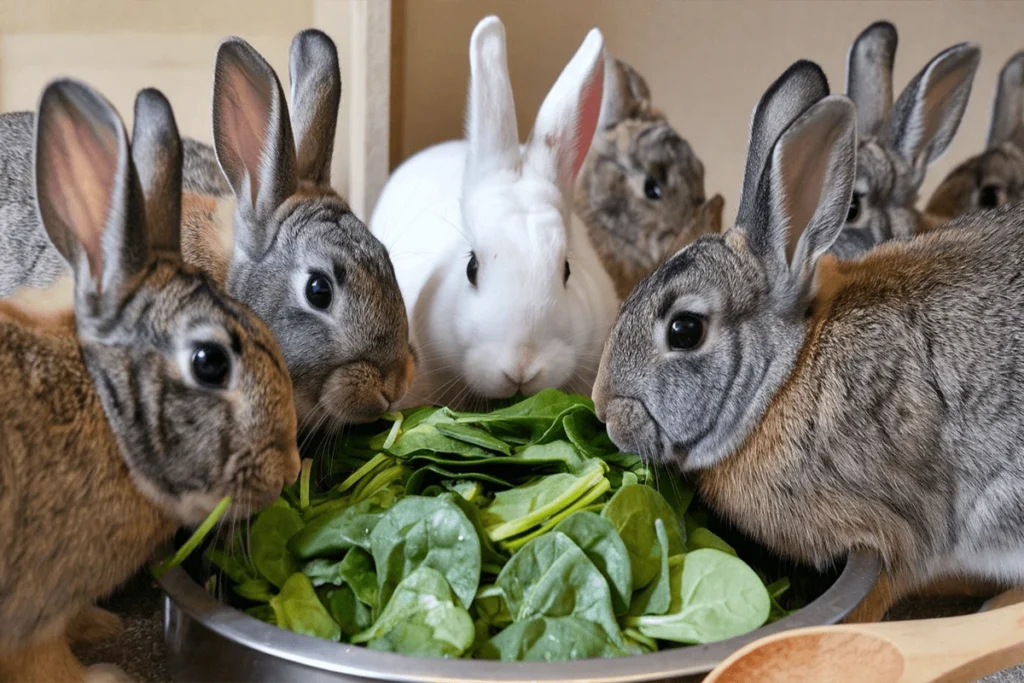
point(880, 410)
point(996, 176)
point(635, 144)
point(899, 141)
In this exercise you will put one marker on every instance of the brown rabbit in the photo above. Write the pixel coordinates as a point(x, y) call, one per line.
point(641, 189)
point(160, 396)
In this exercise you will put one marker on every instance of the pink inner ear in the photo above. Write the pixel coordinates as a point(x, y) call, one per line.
point(590, 110)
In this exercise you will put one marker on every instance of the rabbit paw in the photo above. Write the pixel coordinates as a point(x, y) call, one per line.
point(107, 673)
point(94, 625)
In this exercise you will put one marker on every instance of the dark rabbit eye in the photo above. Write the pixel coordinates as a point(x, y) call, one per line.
point(652, 189)
point(854, 213)
point(211, 365)
point(988, 197)
point(471, 269)
point(565, 278)
point(319, 291)
point(686, 332)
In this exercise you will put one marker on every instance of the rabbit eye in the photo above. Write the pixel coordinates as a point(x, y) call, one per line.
point(989, 197)
point(565, 278)
point(686, 332)
point(854, 213)
point(210, 365)
point(471, 268)
point(319, 291)
point(652, 189)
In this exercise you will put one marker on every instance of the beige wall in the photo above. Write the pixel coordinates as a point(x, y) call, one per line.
point(706, 61)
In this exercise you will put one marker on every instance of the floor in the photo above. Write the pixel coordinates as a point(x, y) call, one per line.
point(139, 650)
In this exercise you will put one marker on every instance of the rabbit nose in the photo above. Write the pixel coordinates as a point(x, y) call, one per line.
point(522, 374)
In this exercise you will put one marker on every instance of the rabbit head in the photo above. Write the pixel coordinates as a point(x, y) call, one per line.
point(302, 260)
point(518, 305)
point(642, 186)
point(996, 176)
point(192, 383)
point(703, 344)
point(899, 141)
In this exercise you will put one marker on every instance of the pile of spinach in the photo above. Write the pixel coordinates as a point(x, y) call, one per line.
point(518, 534)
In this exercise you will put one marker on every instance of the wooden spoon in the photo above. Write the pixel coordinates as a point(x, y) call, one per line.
point(951, 650)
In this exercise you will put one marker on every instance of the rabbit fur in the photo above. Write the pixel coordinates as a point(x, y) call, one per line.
point(641, 189)
point(111, 434)
point(265, 227)
point(505, 294)
point(996, 176)
point(831, 405)
point(897, 142)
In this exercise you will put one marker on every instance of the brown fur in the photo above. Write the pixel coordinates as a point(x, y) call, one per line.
point(73, 525)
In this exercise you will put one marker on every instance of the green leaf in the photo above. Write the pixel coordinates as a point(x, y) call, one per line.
point(264, 613)
point(235, 564)
point(297, 608)
point(421, 619)
point(356, 570)
point(490, 556)
point(551, 577)
point(702, 537)
point(656, 598)
point(426, 437)
point(269, 545)
point(333, 533)
point(474, 436)
point(257, 590)
point(350, 613)
point(600, 542)
point(550, 639)
point(715, 596)
point(426, 532)
point(424, 476)
point(633, 510)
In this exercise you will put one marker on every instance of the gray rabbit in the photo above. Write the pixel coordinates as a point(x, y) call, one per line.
point(824, 405)
point(269, 228)
point(898, 141)
point(640, 192)
point(996, 176)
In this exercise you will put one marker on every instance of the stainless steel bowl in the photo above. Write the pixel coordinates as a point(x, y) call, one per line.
point(209, 641)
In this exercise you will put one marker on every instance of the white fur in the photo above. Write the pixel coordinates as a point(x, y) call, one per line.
point(521, 328)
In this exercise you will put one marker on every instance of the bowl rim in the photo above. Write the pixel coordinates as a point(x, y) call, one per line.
point(855, 581)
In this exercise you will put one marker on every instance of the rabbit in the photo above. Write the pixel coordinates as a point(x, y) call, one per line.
point(641, 188)
point(138, 413)
point(270, 228)
point(996, 176)
point(898, 142)
point(505, 294)
point(824, 405)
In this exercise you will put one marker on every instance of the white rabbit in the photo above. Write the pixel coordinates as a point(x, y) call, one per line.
point(505, 294)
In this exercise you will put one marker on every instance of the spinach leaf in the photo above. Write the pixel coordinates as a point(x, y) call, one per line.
point(264, 613)
point(257, 590)
point(600, 542)
point(492, 559)
point(356, 570)
point(426, 532)
point(235, 563)
point(550, 639)
point(422, 619)
point(714, 596)
point(334, 532)
point(702, 537)
point(633, 510)
point(348, 611)
point(426, 437)
point(656, 598)
point(431, 474)
point(551, 577)
point(268, 548)
point(475, 436)
point(297, 608)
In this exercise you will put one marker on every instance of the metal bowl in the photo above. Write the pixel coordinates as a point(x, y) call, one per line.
point(210, 641)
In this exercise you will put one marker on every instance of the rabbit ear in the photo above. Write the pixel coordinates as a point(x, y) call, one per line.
point(804, 195)
point(568, 116)
point(316, 97)
point(927, 114)
point(1008, 112)
point(87, 194)
point(869, 75)
point(800, 86)
point(253, 139)
point(156, 154)
point(491, 128)
point(624, 91)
